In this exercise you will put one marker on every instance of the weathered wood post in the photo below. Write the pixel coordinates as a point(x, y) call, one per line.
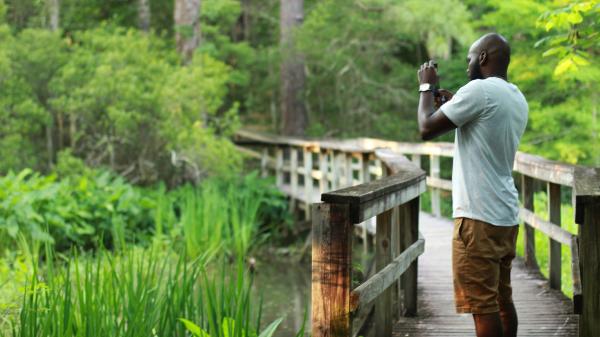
point(364, 176)
point(324, 181)
point(555, 247)
point(409, 233)
point(434, 170)
point(587, 214)
point(308, 181)
point(331, 270)
point(335, 170)
point(529, 235)
point(348, 176)
point(264, 162)
point(279, 166)
point(293, 177)
point(383, 256)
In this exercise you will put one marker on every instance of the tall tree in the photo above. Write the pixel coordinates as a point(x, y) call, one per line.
point(187, 27)
point(294, 116)
point(144, 15)
point(54, 13)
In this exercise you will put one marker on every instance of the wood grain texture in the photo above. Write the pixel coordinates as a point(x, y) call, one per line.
point(587, 215)
point(554, 274)
point(383, 256)
point(542, 311)
point(529, 235)
point(331, 270)
point(409, 217)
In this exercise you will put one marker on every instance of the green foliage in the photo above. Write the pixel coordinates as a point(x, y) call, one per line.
point(134, 293)
point(576, 39)
point(224, 217)
point(90, 210)
point(361, 58)
point(119, 99)
point(562, 122)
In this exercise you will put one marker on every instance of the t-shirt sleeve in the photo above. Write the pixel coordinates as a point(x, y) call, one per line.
point(466, 105)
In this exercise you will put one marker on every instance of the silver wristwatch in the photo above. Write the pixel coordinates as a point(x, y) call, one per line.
point(426, 87)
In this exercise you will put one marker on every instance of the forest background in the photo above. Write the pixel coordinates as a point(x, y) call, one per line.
point(155, 93)
point(117, 165)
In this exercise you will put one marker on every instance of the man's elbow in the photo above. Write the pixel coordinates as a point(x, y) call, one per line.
point(426, 134)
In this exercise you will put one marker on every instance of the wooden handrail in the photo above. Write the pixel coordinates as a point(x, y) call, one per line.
point(339, 159)
point(333, 302)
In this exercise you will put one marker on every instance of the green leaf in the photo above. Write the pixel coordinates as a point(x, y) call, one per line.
point(270, 330)
point(553, 51)
point(193, 328)
point(565, 65)
point(574, 18)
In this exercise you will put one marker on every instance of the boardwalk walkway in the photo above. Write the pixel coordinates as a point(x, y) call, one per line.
point(542, 311)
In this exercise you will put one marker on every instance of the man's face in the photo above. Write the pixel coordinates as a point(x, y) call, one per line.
point(473, 67)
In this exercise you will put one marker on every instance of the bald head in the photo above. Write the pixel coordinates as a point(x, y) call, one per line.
point(489, 56)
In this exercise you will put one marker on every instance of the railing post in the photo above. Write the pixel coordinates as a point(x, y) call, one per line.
point(279, 166)
point(308, 182)
point(587, 215)
point(293, 177)
point(264, 162)
point(331, 270)
point(416, 159)
point(348, 179)
point(335, 170)
point(529, 235)
point(364, 177)
point(434, 170)
point(555, 247)
point(409, 233)
point(396, 250)
point(323, 182)
point(383, 256)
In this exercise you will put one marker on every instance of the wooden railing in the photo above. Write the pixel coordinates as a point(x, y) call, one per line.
point(394, 201)
point(356, 161)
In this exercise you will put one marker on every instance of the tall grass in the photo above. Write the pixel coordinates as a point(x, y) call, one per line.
point(134, 293)
point(224, 216)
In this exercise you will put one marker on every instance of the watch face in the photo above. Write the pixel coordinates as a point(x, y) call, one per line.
point(425, 87)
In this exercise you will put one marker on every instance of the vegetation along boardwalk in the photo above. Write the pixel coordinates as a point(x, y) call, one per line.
point(542, 311)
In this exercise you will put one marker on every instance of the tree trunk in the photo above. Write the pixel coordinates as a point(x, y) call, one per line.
point(294, 116)
point(54, 14)
point(144, 15)
point(187, 27)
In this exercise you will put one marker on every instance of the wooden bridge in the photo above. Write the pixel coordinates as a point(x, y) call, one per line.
point(366, 189)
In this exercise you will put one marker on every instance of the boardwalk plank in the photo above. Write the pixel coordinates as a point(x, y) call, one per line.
point(542, 311)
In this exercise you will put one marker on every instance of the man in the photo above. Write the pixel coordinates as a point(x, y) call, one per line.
point(489, 115)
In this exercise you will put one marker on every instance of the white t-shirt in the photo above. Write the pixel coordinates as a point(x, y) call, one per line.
point(491, 116)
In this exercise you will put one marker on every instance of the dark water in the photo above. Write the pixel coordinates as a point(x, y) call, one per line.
point(284, 285)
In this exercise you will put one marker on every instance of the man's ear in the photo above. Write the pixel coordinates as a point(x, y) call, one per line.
point(483, 57)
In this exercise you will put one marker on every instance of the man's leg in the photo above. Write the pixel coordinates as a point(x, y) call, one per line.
point(508, 313)
point(488, 325)
point(510, 321)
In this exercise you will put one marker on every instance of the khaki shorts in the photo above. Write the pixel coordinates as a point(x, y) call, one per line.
point(481, 262)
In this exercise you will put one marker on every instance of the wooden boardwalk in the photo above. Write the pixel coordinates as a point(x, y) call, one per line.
point(542, 311)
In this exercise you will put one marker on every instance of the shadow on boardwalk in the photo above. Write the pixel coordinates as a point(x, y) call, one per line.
point(542, 311)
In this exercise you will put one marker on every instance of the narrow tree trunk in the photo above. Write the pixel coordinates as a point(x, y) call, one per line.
point(246, 18)
point(294, 116)
point(54, 13)
point(144, 15)
point(187, 27)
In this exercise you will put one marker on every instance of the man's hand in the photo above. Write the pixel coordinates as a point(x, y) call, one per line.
point(442, 97)
point(428, 74)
